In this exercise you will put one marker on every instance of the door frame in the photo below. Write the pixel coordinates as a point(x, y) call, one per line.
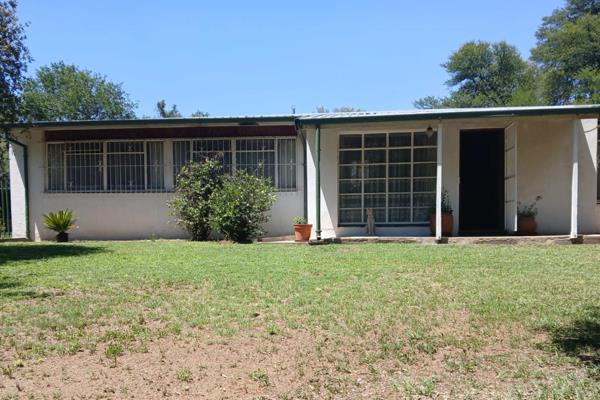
point(500, 230)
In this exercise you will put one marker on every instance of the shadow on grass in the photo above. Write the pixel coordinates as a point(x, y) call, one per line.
point(13, 287)
point(26, 252)
point(580, 338)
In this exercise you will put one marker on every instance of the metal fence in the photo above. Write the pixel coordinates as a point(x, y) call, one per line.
point(5, 220)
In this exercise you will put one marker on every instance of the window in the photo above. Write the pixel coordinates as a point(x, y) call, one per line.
point(135, 166)
point(271, 158)
point(392, 173)
point(256, 156)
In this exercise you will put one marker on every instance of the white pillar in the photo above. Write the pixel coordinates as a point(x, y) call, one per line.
point(18, 196)
point(438, 186)
point(574, 178)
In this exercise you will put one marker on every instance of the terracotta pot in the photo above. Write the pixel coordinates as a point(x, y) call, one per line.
point(302, 232)
point(447, 224)
point(62, 237)
point(526, 226)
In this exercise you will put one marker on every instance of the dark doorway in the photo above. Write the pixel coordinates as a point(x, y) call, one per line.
point(481, 182)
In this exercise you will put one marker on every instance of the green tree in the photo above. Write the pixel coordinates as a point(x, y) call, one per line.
point(200, 114)
point(568, 53)
point(14, 57)
point(325, 110)
point(484, 74)
point(60, 92)
point(161, 109)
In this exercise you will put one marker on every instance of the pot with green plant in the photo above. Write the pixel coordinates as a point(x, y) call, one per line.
point(447, 218)
point(60, 222)
point(526, 213)
point(302, 230)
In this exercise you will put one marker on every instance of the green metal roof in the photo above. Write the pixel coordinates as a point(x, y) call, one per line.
point(592, 110)
point(247, 119)
point(452, 113)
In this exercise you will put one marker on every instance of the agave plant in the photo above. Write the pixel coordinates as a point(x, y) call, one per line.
point(60, 222)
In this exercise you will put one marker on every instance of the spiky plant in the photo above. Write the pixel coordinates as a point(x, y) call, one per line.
point(61, 221)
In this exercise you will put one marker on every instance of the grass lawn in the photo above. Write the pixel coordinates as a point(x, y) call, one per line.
point(181, 319)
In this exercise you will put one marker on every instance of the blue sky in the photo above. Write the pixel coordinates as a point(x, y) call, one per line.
point(262, 57)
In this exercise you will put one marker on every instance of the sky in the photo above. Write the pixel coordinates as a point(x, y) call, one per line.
point(265, 57)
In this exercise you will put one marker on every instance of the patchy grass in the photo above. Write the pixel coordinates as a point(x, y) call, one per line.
point(323, 321)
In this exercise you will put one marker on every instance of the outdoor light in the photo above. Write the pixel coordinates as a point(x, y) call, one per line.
point(429, 132)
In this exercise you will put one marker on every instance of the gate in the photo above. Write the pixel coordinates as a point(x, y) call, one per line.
point(5, 219)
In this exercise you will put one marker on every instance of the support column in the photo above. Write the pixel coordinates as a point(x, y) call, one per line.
point(439, 186)
point(318, 182)
point(516, 180)
point(574, 178)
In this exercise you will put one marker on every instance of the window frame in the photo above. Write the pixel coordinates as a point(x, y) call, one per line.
point(234, 162)
point(387, 178)
point(104, 155)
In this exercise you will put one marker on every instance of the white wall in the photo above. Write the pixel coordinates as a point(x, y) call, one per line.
point(16, 157)
point(544, 168)
point(106, 216)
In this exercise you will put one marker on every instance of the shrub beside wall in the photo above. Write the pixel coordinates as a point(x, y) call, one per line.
point(240, 207)
point(235, 206)
point(193, 190)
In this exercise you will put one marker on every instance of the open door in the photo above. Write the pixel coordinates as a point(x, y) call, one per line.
point(481, 207)
point(510, 179)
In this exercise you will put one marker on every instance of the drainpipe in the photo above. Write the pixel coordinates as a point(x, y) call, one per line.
point(10, 140)
point(305, 172)
point(318, 181)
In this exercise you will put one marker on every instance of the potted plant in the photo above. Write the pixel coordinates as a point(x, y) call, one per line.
point(302, 230)
point(61, 222)
point(447, 219)
point(526, 224)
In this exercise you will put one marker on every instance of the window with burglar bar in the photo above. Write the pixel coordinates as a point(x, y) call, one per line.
point(392, 173)
point(271, 158)
point(118, 166)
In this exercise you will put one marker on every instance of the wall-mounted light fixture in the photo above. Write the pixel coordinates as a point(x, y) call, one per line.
point(429, 132)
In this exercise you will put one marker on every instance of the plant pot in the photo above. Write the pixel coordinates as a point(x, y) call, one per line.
point(447, 224)
point(302, 232)
point(526, 226)
point(62, 237)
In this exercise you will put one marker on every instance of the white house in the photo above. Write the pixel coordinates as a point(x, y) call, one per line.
point(117, 176)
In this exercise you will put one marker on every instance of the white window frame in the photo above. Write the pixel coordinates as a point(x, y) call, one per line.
point(104, 145)
point(233, 149)
point(387, 178)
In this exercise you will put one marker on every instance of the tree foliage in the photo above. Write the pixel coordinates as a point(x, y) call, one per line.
point(193, 190)
point(484, 74)
point(325, 110)
point(161, 109)
point(568, 53)
point(61, 92)
point(240, 207)
point(200, 114)
point(14, 57)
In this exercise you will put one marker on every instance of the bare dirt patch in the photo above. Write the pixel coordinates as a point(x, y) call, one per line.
point(285, 365)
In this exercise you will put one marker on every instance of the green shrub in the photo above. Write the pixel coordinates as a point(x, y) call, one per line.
point(240, 207)
point(62, 221)
point(299, 220)
point(193, 190)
